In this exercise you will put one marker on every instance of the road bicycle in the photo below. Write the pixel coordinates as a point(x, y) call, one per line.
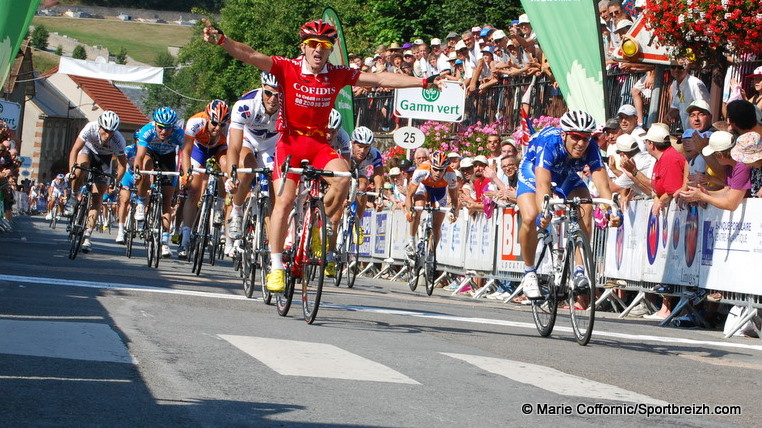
point(425, 258)
point(566, 270)
point(55, 212)
point(207, 233)
point(154, 222)
point(78, 219)
point(255, 255)
point(306, 245)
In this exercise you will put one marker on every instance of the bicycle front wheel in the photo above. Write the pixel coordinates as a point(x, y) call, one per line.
point(430, 268)
point(54, 215)
point(413, 271)
point(582, 287)
point(248, 257)
point(313, 270)
point(545, 309)
point(78, 227)
point(342, 248)
point(261, 249)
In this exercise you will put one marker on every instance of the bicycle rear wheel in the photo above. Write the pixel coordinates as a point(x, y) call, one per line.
point(313, 270)
point(214, 243)
point(201, 238)
point(153, 225)
point(130, 230)
point(283, 300)
point(545, 309)
point(581, 288)
point(413, 271)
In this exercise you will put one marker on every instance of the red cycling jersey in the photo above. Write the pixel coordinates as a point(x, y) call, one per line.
point(307, 100)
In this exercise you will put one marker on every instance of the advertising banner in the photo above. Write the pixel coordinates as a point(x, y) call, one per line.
point(15, 17)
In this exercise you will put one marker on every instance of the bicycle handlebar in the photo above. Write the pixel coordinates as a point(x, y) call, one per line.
point(207, 172)
point(430, 208)
point(308, 170)
point(167, 173)
point(254, 170)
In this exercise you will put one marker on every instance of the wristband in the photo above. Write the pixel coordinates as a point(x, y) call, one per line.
point(222, 38)
point(635, 174)
point(424, 83)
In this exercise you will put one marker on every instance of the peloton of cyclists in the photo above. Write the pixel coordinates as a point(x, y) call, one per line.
point(310, 86)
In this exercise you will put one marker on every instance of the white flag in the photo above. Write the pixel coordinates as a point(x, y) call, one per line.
point(110, 71)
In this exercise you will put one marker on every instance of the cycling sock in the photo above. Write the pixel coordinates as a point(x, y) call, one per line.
point(411, 240)
point(121, 227)
point(186, 235)
point(165, 238)
point(88, 232)
point(529, 269)
point(237, 210)
point(579, 270)
point(276, 261)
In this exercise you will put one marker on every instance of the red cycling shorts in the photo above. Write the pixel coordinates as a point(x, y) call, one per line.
point(314, 149)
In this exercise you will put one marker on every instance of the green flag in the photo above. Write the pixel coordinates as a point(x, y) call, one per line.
point(15, 16)
point(344, 103)
point(568, 33)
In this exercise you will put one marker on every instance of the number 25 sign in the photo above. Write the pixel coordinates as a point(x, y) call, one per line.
point(409, 137)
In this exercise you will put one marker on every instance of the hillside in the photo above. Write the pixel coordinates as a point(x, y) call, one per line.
point(142, 41)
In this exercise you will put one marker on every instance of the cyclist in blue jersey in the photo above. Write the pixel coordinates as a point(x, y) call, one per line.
point(159, 141)
point(556, 155)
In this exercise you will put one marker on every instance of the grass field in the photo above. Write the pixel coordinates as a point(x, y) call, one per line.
point(142, 41)
point(44, 61)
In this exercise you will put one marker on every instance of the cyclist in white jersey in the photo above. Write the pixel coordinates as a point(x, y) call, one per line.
point(370, 165)
point(252, 139)
point(56, 191)
point(337, 137)
point(96, 144)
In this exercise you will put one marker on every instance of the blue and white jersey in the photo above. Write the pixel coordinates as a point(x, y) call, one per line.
point(147, 137)
point(91, 137)
point(548, 151)
point(373, 160)
point(249, 115)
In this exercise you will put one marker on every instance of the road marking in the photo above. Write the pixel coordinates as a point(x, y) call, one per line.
point(399, 312)
point(65, 379)
point(554, 380)
point(73, 340)
point(296, 358)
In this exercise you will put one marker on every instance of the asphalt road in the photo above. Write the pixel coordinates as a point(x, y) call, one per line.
point(105, 340)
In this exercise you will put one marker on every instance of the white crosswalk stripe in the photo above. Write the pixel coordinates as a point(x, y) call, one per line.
point(554, 380)
point(297, 358)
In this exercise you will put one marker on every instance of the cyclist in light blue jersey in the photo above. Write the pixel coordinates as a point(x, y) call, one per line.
point(159, 141)
point(556, 155)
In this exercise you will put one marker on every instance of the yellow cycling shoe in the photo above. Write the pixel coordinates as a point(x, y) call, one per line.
point(276, 281)
point(359, 236)
point(330, 270)
point(316, 243)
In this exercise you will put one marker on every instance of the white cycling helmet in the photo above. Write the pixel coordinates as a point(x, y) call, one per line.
point(269, 80)
point(577, 121)
point(334, 120)
point(109, 121)
point(362, 135)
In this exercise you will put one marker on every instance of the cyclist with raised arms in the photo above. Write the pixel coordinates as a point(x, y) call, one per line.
point(127, 183)
point(433, 181)
point(337, 137)
point(310, 86)
point(158, 141)
point(556, 155)
point(56, 191)
point(205, 138)
point(96, 144)
point(251, 140)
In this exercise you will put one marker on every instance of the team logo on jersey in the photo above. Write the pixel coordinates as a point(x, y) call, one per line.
point(244, 112)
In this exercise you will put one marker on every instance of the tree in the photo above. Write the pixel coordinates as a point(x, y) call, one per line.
point(79, 52)
point(164, 95)
point(59, 50)
point(121, 56)
point(39, 38)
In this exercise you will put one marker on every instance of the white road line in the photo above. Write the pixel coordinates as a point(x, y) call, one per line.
point(296, 358)
point(73, 340)
point(399, 312)
point(554, 380)
point(64, 379)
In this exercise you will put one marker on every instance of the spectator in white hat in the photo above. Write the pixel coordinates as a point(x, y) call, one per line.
point(670, 172)
point(636, 166)
point(628, 121)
